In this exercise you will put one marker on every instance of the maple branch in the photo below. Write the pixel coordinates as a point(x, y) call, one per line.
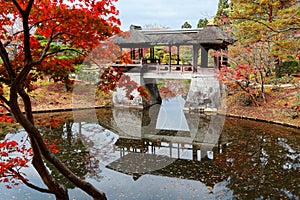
point(22, 76)
point(2, 98)
point(27, 105)
point(66, 49)
point(46, 48)
point(38, 142)
point(74, 50)
point(35, 187)
point(5, 58)
point(5, 107)
point(30, 27)
point(39, 146)
point(25, 16)
point(18, 6)
point(29, 6)
point(37, 160)
point(24, 180)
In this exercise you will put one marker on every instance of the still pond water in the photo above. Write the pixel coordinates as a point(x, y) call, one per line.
point(168, 154)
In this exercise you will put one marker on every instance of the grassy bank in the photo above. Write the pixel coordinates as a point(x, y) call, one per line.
point(52, 96)
point(275, 109)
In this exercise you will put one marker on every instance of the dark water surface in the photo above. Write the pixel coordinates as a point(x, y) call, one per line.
point(167, 154)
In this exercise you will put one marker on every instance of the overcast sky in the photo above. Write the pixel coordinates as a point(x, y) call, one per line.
point(165, 13)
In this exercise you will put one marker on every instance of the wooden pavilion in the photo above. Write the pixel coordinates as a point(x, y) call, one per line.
point(204, 39)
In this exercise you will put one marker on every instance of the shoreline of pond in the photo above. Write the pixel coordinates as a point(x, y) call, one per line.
point(261, 120)
point(227, 114)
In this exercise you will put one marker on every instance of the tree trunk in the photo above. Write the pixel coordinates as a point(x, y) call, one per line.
point(40, 148)
point(60, 191)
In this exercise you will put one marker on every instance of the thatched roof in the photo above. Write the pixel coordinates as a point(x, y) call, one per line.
point(210, 36)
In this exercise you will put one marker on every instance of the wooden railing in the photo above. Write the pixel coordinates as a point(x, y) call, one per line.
point(153, 65)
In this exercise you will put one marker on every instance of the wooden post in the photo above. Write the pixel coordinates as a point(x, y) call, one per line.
point(204, 57)
point(133, 54)
point(178, 55)
point(140, 53)
point(170, 55)
point(195, 57)
point(151, 53)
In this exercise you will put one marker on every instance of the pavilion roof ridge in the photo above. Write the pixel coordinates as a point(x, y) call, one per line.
point(170, 31)
point(209, 37)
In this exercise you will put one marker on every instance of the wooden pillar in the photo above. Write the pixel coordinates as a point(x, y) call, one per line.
point(133, 54)
point(204, 57)
point(79, 128)
point(170, 55)
point(140, 53)
point(195, 57)
point(224, 57)
point(217, 61)
point(151, 53)
point(121, 51)
point(177, 55)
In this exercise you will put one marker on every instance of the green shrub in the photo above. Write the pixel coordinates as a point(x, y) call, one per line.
point(281, 80)
point(288, 67)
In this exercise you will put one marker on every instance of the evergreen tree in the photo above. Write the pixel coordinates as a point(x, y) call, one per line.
point(273, 22)
point(202, 23)
point(222, 13)
point(186, 25)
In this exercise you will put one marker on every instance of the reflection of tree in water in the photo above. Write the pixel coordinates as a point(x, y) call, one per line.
point(72, 151)
point(262, 162)
point(173, 87)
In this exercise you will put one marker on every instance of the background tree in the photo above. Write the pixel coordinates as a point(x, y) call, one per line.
point(186, 25)
point(79, 26)
point(266, 35)
point(222, 14)
point(273, 22)
point(202, 23)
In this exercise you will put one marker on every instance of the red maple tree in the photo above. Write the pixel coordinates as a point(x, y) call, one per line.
point(33, 35)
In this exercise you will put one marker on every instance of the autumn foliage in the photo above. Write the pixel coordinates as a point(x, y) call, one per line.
point(13, 157)
point(57, 29)
point(266, 35)
point(45, 38)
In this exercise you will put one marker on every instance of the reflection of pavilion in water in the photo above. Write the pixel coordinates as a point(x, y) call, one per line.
point(148, 144)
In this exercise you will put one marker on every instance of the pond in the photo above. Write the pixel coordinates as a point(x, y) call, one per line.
point(164, 153)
